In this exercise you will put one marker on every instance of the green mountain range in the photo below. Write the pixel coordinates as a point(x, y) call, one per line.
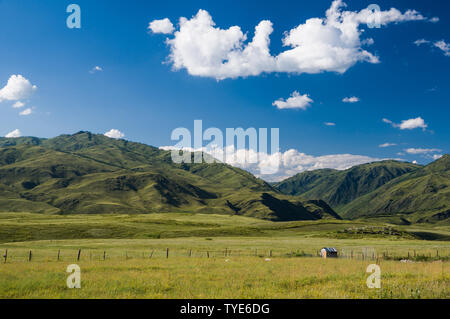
point(87, 173)
point(384, 189)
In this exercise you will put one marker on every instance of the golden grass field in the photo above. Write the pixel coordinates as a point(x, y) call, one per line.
point(240, 277)
point(129, 272)
point(136, 264)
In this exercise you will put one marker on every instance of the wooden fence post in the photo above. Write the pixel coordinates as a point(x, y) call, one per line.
point(104, 255)
point(6, 255)
point(167, 253)
point(30, 256)
point(59, 251)
point(151, 255)
point(190, 253)
point(79, 254)
point(207, 254)
point(270, 253)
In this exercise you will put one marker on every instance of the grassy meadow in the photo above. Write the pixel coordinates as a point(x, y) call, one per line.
point(217, 256)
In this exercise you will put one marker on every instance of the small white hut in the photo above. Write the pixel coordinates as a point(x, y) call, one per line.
point(329, 252)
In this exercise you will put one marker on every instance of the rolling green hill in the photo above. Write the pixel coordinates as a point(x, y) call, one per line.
point(394, 191)
point(419, 196)
point(339, 188)
point(87, 173)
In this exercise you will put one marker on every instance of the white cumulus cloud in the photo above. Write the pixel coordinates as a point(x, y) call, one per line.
point(352, 99)
point(96, 69)
point(113, 133)
point(328, 44)
point(422, 150)
point(387, 145)
point(441, 45)
point(281, 165)
point(408, 124)
point(163, 26)
point(434, 20)
point(18, 105)
point(15, 133)
point(445, 47)
point(329, 124)
point(419, 42)
point(17, 88)
point(412, 124)
point(26, 112)
point(295, 101)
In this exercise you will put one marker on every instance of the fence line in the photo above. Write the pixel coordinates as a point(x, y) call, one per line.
point(21, 254)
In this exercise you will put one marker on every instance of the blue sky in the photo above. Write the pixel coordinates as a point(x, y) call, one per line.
point(138, 91)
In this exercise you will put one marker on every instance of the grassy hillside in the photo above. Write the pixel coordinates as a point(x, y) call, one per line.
point(87, 173)
point(338, 188)
point(420, 196)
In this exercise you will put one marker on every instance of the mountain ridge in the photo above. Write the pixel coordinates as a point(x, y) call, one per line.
point(87, 173)
point(410, 193)
point(341, 187)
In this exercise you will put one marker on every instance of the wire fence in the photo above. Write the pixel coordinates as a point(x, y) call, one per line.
point(48, 255)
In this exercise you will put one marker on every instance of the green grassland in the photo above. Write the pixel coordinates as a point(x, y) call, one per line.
point(216, 256)
point(231, 277)
point(146, 227)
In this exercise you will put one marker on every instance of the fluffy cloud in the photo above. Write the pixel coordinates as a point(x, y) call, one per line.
point(445, 47)
point(437, 156)
point(296, 101)
point(408, 124)
point(18, 105)
point(422, 150)
point(329, 124)
point(15, 133)
point(412, 124)
point(387, 145)
point(419, 42)
point(434, 20)
point(113, 133)
point(329, 44)
point(96, 69)
point(278, 166)
point(441, 45)
point(352, 99)
point(26, 112)
point(368, 42)
point(163, 26)
point(17, 88)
